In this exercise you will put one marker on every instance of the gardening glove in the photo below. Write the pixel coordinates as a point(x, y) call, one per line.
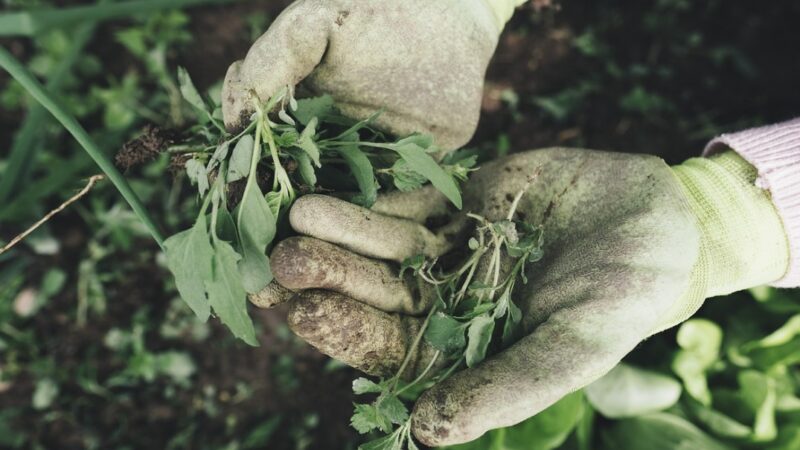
point(422, 63)
point(632, 247)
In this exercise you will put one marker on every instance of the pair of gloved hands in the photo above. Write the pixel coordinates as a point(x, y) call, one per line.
point(632, 246)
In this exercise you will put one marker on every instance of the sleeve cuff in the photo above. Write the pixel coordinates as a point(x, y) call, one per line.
point(774, 151)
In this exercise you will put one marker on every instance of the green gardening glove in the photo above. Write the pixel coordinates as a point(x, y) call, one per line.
point(632, 247)
point(420, 61)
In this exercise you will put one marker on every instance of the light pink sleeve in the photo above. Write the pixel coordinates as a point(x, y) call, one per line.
point(774, 150)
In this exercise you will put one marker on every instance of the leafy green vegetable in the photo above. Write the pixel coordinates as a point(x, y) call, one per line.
point(659, 431)
point(628, 391)
point(700, 341)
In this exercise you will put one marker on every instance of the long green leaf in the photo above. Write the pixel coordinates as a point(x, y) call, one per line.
point(425, 165)
point(26, 142)
point(24, 77)
point(30, 23)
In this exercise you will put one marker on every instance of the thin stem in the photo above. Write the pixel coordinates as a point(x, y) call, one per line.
point(421, 375)
point(414, 345)
point(37, 91)
point(89, 185)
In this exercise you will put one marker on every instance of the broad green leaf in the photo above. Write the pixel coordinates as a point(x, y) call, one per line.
point(362, 171)
point(227, 294)
point(425, 165)
point(658, 431)
point(256, 225)
point(241, 158)
point(311, 108)
point(445, 333)
point(628, 391)
point(479, 335)
point(189, 92)
point(189, 254)
point(700, 342)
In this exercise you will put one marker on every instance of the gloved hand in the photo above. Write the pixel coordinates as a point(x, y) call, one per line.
point(422, 62)
point(631, 247)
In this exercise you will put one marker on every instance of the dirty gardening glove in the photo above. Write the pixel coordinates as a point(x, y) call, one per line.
point(420, 61)
point(632, 247)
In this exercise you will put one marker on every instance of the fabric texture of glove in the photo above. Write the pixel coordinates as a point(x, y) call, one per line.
point(743, 240)
point(774, 151)
point(420, 62)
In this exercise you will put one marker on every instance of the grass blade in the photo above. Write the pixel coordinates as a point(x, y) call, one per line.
point(30, 23)
point(26, 142)
point(35, 89)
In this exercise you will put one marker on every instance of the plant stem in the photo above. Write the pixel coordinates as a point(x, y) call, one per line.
point(37, 91)
point(415, 345)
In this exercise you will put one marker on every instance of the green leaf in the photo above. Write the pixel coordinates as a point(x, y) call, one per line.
point(309, 109)
point(197, 173)
point(425, 165)
point(544, 431)
point(445, 333)
point(405, 179)
point(239, 165)
point(758, 392)
point(362, 171)
point(658, 431)
point(367, 418)
point(304, 166)
point(227, 294)
point(256, 225)
point(274, 201)
point(392, 409)
point(189, 92)
point(413, 263)
point(479, 335)
point(700, 341)
point(389, 442)
point(45, 394)
point(306, 141)
point(219, 155)
point(365, 386)
point(717, 422)
point(189, 256)
point(627, 391)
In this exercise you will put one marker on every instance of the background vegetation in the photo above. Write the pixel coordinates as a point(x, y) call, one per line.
point(97, 351)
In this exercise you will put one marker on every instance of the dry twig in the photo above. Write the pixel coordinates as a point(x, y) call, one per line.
point(89, 185)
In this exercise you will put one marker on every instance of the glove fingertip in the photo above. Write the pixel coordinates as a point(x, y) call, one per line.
point(236, 108)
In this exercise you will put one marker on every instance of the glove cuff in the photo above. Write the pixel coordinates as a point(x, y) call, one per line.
point(743, 242)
